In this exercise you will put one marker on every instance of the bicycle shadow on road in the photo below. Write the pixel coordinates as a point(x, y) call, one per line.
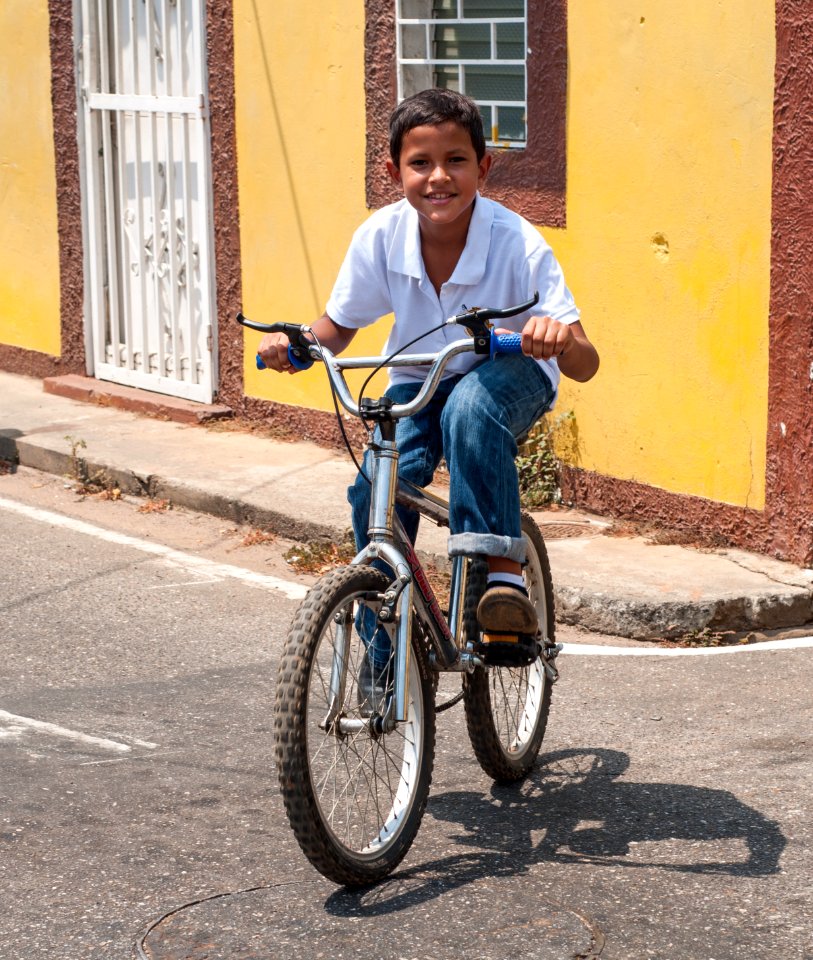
point(573, 809)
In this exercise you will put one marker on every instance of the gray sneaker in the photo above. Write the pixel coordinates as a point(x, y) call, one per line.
point(503, 609)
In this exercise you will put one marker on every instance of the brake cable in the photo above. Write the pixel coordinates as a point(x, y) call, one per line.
point(374, 371)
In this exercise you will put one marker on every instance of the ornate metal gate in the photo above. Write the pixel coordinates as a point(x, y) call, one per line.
point(147, 194)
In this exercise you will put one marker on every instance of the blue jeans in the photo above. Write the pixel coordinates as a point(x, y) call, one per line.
point(473, 421)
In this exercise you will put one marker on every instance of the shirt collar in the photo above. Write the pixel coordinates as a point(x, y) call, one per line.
point(404, 254)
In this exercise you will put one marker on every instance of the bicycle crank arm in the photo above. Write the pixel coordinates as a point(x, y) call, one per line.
point(549, 653)
point(465, 663)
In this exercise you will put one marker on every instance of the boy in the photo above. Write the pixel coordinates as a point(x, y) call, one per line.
point(422, 259)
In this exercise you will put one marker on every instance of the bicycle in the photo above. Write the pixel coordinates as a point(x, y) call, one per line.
point(354, 740)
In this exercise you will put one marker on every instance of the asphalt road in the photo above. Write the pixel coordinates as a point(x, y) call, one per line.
point(669, 818)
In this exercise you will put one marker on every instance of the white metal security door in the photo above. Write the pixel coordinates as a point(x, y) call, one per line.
point(147, 194)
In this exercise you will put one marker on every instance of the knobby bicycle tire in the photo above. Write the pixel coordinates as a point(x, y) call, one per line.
point(507, 707)
point(355, 799)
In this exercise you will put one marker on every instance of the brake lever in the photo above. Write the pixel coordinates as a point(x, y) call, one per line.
point(477, 320)
point(298, 343)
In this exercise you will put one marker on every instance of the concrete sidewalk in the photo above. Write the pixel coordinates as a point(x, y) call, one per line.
point(619, 585)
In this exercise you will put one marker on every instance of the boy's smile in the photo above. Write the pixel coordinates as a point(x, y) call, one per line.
point(440, 175)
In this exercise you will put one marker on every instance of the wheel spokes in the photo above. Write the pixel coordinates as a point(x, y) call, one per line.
point(361, 779)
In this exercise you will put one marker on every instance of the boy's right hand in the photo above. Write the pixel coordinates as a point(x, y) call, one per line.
point(273, 350)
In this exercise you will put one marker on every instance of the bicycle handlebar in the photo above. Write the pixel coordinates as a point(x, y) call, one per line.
point(302, 353)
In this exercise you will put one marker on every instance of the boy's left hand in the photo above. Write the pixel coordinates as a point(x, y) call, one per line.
point(543, 338)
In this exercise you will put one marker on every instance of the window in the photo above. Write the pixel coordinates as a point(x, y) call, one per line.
point(508, 55)
point(474, 46)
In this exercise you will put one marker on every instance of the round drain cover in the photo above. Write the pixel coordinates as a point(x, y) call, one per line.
point(410, 916)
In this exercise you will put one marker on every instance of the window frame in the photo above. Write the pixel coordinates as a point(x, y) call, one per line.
point(529, 180)
point(432, 61)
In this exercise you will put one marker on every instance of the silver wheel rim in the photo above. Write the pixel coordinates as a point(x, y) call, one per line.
point(516, 692)
point(364, 784)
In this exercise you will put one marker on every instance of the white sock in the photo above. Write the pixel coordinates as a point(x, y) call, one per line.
point(514, 579)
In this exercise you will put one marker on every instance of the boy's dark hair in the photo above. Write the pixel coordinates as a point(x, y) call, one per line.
point(431, 108)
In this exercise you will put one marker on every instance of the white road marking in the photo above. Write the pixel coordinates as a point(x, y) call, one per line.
point(143, 743)
point(597, 650)
point(198, 566)
point(16, 722)
point(187, 561)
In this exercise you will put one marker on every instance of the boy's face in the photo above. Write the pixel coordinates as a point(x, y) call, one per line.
point(440, 173)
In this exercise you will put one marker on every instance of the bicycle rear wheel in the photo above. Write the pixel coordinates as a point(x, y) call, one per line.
point(507, 707)
point(354, 787)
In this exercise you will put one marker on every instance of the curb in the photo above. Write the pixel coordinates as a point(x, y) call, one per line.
point(156, 487)
point(676, 620)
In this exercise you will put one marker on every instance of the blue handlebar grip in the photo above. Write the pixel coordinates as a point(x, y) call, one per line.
point(505, 343)
point(295, 363)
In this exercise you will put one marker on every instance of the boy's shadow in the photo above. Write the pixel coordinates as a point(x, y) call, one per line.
point(571, 809)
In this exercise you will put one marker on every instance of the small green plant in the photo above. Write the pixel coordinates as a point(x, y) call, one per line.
point(77, 464)
point(85, 483)
point(552, 442)
point(708, 637)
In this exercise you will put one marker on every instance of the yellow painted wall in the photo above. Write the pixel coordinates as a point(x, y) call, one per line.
point(667, 244)
point(300, 154)
point(29, 253)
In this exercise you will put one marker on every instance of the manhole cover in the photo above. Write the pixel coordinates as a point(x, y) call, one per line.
point(410, 916)
point(554, 530)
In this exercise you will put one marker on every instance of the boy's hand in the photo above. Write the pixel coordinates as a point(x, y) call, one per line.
point(274, 346)
point(274, 352)
point(543, 338)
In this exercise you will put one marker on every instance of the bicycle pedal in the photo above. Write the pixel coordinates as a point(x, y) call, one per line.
point(490, 638)
point(507, 649)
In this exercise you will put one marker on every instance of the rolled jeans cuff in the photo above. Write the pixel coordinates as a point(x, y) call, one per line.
point(487, 545)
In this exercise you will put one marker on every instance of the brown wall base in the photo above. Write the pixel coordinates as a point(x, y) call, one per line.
point(300, 423)
point(31, 363)
point(637, 501)
point(710, 520)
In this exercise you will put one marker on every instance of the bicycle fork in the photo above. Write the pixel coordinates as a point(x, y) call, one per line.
point(397, 602)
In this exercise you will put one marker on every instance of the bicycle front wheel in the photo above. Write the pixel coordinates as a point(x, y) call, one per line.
point(507, 707)
point(354, 786)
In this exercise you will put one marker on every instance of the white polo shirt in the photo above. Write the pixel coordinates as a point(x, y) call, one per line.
point(504, 261)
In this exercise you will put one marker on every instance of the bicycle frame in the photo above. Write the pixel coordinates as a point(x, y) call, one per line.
point(389, 542)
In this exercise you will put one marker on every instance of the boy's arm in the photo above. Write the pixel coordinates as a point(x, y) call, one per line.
point(274, 346)
point(543, 338)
